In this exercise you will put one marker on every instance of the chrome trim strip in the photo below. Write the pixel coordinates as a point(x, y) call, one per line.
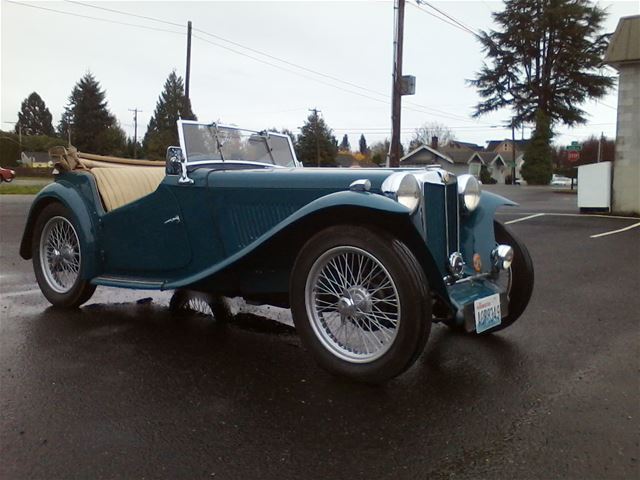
point(448, 279)
point(235, 162)
point(458, 233)
point(107, 278)
point(446, 220)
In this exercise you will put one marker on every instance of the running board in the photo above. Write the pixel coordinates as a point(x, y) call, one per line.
point(128, 282)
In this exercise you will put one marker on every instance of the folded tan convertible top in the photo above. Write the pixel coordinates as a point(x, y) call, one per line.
point(67, 159)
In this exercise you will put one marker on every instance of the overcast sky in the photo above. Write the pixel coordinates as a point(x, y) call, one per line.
point(48, 52)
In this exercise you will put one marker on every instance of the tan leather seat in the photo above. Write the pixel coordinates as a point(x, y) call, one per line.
point(119, 180)
point(119, 186)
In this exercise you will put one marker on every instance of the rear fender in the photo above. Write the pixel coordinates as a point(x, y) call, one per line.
point(84, 219)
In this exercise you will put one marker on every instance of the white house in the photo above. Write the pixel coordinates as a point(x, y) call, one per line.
point(459, 159)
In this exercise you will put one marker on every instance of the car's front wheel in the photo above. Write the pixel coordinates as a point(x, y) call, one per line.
point(360, 302)
point(57, 258)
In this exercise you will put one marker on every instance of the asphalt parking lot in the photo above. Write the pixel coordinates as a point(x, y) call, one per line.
point(122, 389)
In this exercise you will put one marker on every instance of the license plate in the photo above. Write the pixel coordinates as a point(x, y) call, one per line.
point(487, 311)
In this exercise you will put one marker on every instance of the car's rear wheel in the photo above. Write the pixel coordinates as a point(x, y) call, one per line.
point(360, 303)
point(57, 258)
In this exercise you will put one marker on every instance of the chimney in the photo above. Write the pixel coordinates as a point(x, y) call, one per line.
point(434, 142)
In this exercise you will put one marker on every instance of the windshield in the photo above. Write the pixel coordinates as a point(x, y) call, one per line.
point(216, 143)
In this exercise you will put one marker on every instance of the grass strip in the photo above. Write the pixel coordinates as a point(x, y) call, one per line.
point(6, 189)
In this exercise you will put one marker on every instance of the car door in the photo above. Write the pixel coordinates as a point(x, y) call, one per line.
point(145, 238)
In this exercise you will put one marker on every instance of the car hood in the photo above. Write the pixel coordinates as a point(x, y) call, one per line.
point(303, 178)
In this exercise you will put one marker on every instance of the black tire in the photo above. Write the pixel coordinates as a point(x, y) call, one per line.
point(184, 301)
point(81, 290)
point(9, 180)
point(413, 301)
point(522, 276)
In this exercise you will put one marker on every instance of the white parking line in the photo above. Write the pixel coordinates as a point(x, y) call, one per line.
point(616, 231)
point(524, 218)
point(599, 215)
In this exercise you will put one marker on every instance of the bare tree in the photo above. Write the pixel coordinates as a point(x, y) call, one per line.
point(424, 134)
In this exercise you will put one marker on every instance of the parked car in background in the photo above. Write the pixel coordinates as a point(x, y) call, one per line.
point(560, 181)
point(7, 175)
point(367, 259)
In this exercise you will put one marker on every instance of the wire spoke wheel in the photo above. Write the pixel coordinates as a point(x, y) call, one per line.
point(199, 306)
point(200, 303)
point(60, 254)
point(353, 304)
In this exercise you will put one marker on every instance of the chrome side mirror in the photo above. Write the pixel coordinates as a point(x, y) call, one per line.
point(177, 165)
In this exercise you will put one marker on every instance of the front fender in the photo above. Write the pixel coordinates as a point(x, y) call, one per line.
point(476, 230)
point(67, 194)
point(363, 200)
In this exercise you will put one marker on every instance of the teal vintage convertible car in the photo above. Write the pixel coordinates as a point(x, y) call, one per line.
point(367, 259)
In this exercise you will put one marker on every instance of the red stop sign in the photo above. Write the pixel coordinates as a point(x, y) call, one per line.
point(573, 156)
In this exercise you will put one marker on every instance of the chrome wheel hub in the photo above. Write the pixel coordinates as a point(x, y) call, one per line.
point(356, 299)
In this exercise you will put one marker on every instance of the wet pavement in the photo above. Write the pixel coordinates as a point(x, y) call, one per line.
point(121, 388)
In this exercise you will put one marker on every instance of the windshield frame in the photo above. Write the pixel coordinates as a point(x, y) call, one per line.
point(181, 123)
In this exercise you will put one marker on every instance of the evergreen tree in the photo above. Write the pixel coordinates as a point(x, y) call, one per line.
point(93, 128)
point(537, 168)
point(171, 106)
point(34, 118)
point(363, 145)
point(345, 146)
point(316, 145)
point(544, 62)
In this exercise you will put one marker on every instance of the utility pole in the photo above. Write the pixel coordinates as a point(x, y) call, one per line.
point(513, 152)
point(187, 77)
point(135, 131)
point(317, 132)
point(396, 102)
point(600, 146)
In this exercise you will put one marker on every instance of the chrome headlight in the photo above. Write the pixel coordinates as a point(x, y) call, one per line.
point(404, 188)
point(469, 191)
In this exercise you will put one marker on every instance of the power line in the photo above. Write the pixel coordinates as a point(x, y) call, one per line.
point(125, 13)
point(286, 69)
point(94, 18)
point(448, 22)
point(418, 108)
point(280, 67)
point(453, 19)
point(424, 109)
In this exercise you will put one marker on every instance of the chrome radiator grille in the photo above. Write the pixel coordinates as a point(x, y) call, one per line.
point(442, 221)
